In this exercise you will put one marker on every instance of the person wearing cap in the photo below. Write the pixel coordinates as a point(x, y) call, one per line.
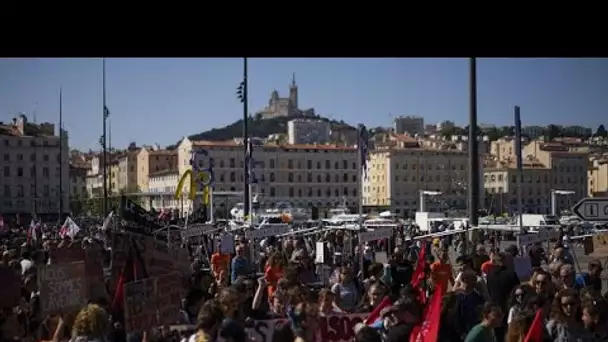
point(592, 278)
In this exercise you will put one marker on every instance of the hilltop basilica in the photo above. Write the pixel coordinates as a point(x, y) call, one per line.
point(285, 106)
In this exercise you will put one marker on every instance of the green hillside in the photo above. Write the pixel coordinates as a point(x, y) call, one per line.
point(257, 128)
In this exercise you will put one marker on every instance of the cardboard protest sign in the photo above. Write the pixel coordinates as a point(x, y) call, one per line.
point(63, 287)
point(67, 254)
point(161, 259)
point(140, 305)
point(170, 292)
point(94, 272)
point(10, 283)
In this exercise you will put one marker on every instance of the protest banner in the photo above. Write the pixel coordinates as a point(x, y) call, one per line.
point(67, 254)
point(335, 328)
point(62, 287)
point(94, 271)
point(161, 259)
point(140, 305)
point(10, 283)
point(170, 292)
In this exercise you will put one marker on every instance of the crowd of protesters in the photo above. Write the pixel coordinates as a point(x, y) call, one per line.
point(482, 296)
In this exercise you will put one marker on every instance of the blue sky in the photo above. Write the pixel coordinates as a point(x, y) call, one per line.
point(162, 100)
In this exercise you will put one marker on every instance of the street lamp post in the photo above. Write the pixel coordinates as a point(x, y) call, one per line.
point(242, 96)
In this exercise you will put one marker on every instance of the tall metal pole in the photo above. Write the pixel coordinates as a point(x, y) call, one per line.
point(35, 209)
point(246, 188)
point(520, 171)
point(473, 149)
point(60, 154)
point(104, 144)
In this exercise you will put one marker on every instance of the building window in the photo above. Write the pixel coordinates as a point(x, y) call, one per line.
point(272, 176)
point(19, 172)
point(272, 193)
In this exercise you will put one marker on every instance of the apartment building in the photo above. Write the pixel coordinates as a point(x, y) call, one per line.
point(504, 148)
point(400, 168)
point(303, 175)
point(151, 160)
point(455, 142)
point(308, 131)
point(500, 182)
point(128, 171)
point(568, 168)
point(163, 182)
point(597, 176)
point(78, 176)
point(411, 125)
point(31, 168)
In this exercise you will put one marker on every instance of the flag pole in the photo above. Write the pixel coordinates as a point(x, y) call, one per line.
point(104, 142)
point(60, 154)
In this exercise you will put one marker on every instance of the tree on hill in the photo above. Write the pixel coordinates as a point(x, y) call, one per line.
point(601, 131)
point(553, 132)
point(258, 127)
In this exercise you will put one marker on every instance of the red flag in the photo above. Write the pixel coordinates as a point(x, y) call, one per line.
point(375, 314)
point(535, 333)
point(428, 331)
point(132, 271)
point(418, 275)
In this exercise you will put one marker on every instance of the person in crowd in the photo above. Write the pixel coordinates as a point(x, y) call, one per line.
point(492, 317)
point(565, 321)
point(487, 266)
point(273, 271)
point(595, 318)
point(466, 263)
point(401, 319)
point(516, 302)
point(240, 265)
point(501, 279)
point(327, 304)
point(469, 303)
point(401, 270)
point(220, 263)
point(448, 331)
point(346, 291)
point(441, 271)
point(90, 324)
point(305, 321)
point(373, 296)
point(519, 326)
point(560, 254)
point(567, 277)
point(537, 255)
point(592, 278)
point(479, 258)
point(208, 322)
